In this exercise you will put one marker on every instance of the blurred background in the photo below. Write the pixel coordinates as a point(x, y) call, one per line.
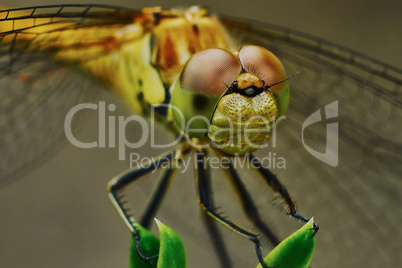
point(58, 214)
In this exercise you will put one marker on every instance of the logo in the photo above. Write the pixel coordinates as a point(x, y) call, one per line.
point(147, 131)
point(330, 156)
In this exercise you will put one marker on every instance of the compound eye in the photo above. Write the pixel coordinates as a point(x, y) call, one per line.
point(210, 72)
point(261, 62)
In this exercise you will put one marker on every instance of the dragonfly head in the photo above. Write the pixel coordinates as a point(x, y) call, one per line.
point(233, 98)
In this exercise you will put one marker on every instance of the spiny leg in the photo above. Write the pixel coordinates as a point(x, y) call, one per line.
point(161, 187)
point(213, 231)
point(249, 206)
point(157, 197)
point(117, 184)
point(276, 185)
point(217, 241)
point(205, 202)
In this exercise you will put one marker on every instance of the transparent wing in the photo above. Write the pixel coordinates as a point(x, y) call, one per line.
point(36, 90)
point(357, 202)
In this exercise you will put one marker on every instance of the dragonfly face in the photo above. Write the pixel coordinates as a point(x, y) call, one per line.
point(227, 95)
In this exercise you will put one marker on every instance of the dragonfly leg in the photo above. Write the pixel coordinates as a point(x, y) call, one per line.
point(117, 184)
point(206, 204)
point(217, 241)
point(213, 231)
point(276, 185)
point(249, 206)
point(157, 197)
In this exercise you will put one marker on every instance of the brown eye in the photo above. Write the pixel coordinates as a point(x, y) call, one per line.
point(261, 62)
point(210, 72)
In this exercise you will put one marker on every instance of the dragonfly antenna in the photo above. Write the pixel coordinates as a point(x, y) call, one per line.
point(286, 79)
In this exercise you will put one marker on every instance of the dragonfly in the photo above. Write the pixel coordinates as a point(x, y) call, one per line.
point(353, 195)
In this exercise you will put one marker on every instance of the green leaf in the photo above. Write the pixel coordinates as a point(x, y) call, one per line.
point(295, 251)
point(172, 253)
point(149, 247)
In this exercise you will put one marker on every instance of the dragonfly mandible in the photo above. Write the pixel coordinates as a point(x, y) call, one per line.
point(318, 62)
